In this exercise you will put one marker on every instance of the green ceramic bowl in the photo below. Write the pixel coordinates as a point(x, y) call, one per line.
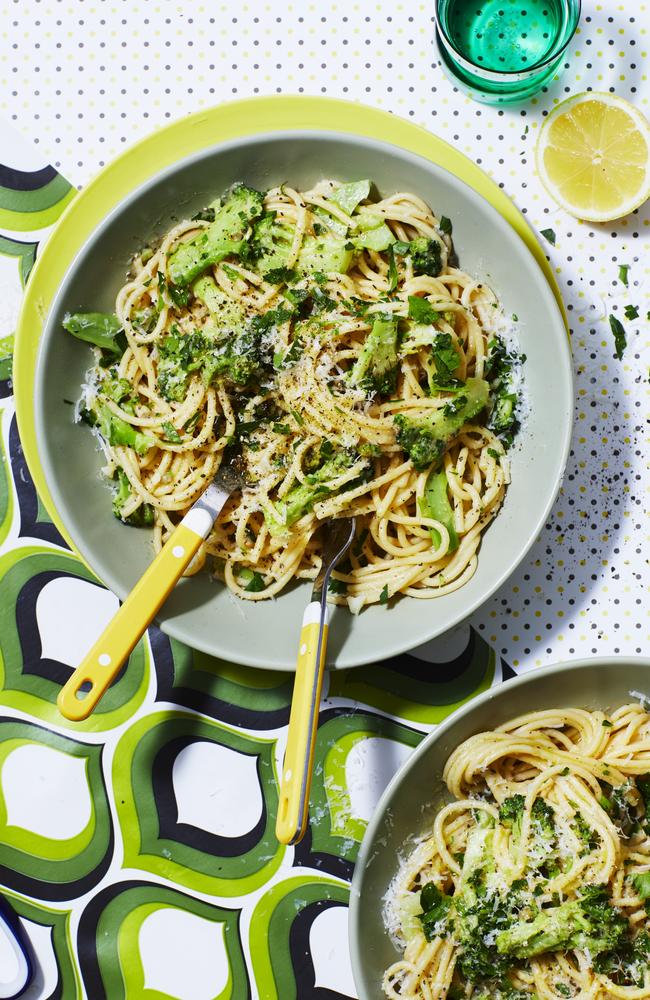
point(408, 806)
point(200, 612)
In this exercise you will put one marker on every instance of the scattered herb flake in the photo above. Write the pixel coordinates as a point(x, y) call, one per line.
point(549, 235)
point(620, 339)
point(444, 225)
point(623, 270)
point(631, 312)
point(383, 597)
point(337, 586)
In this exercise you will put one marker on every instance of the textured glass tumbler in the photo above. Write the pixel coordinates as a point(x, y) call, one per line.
point(499, 51)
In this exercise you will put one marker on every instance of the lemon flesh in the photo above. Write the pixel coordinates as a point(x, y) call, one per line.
point(593, 156)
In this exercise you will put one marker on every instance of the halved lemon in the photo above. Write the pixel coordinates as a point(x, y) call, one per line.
point(593, 156)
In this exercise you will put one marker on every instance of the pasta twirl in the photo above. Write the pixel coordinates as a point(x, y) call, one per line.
point(334, 341)
point(534, 880)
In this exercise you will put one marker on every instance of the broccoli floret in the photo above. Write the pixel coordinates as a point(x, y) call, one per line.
point(543, 817)
point(239, 363)
point(178, 356)
point(227, 314)
point(590, 838)
point(327, 253)
point(425, 254)
point(279, 516)
point(376, 367)
point(589, 923)
point(269, 245)
point(225, 237)
point(511, 812)
point(479, 914)
point(629, 964)
point(499, 369)
point(425, 439)
point(142, 516)
point(117, 432)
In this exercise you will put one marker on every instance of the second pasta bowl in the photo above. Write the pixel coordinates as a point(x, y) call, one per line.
point(508, 857)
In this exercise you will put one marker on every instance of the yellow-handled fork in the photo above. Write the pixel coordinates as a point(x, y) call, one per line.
point(83, 689)
point(295, 784)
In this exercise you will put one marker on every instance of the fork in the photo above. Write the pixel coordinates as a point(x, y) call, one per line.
point(83, 689)
point(295, 785)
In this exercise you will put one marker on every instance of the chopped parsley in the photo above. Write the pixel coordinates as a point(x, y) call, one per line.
point(383, 597)
point(280, 275)
point(631, 312)
point(422, 311)
point(444, 225)
point(446, 361)
point(337, 586)
point(549, 235)
point(623, 271)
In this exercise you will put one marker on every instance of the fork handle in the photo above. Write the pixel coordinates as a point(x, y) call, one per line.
point(83, 689)
point(295, 785)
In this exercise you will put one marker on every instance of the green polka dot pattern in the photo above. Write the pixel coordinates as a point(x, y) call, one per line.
point(150, 845)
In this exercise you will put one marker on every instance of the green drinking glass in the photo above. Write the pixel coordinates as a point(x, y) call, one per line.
point(500, 51)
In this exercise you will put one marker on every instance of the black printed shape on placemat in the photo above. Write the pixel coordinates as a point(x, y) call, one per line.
point(30, 638)
point(184, 833)
point(34, 520)
point(301, 957)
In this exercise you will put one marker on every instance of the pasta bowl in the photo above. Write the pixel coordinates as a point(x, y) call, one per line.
point(201, 612)
point(417, 793)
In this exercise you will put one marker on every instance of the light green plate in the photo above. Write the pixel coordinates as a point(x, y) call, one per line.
point(126, 205)
point(409, 805)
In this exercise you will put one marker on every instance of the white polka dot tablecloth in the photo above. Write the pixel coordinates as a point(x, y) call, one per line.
point(84, 79)
point(159, 848)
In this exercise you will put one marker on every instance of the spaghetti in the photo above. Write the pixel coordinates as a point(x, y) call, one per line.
point(534, 880)
point(332, 339)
